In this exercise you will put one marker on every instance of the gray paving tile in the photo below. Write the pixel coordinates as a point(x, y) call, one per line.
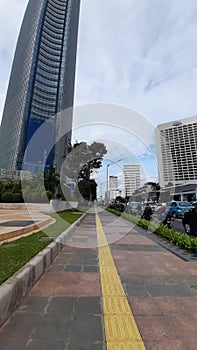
point(137, 247)
point(20, 325)
point(90, 268)
point(87, 327)
point(90, 261)
point(56, 268)
point(63, 306)
point(13, 343)
point(159, 290)
point(183, 291)
point(45, 345)
point(52, 327)
point(33, 304)
point(88, 306)
point(73, 268)
point(85, 345)
point(136, 290)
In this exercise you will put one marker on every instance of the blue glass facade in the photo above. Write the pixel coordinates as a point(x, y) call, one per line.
point(41, 83)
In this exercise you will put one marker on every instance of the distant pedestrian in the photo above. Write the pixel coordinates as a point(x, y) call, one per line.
point(147, 212)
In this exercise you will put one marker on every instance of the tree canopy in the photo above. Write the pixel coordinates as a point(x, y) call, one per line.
point(83, 160)
point(80, 163)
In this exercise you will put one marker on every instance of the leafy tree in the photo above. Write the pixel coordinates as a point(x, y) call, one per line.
point(88, 189)
point(80, 163)
point(16, 188)
point(52, 182)
point(83, 160)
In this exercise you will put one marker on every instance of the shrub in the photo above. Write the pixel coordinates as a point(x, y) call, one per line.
point(181, 240)
point(46, 196)
point(16, 197)
point(7, 197)
point(35, 197)
point(16, 188)
point(40, 188)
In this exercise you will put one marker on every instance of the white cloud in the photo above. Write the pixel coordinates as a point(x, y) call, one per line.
point(11, 15)
point(138, 54)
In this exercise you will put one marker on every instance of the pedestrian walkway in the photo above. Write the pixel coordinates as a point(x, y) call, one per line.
point(110, 288)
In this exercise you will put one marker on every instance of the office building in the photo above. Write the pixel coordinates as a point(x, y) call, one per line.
point(41, 87)
point(176, 144)
point(131, 179)
point(113, 187)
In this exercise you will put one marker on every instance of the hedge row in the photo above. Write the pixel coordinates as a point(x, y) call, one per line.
point(34, 197)
point(180, 240)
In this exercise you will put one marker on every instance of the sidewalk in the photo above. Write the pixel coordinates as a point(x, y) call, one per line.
point(68, 309)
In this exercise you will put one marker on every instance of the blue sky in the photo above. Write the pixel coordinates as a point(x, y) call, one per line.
point(136, 54)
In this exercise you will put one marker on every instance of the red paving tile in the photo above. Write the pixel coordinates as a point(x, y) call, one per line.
point(68, 284)
point(177, 306)
point(180, 325)
point(136, 239)
point(152, 327)
point(151, 263)
point(144, 307)
point(146, 263)
point(171, 344)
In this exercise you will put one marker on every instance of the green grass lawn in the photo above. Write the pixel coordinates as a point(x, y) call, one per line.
point(12, 258)
point(63, 221)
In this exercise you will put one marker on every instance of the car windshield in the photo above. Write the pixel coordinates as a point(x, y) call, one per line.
point(134, 205)
point(185, 204)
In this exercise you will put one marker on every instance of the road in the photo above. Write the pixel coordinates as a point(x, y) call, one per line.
point(177, 225)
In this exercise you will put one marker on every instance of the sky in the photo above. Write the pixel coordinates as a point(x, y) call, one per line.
point(138, 54)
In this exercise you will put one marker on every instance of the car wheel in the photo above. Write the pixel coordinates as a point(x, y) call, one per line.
point(174, 215)
point(187, 229)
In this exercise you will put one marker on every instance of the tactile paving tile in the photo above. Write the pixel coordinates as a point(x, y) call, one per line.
point(111, 278)
point(116, 305)
point(112, 289)
point(106, 260)
point(134, 345)
point(118, 327)
point(107, 269)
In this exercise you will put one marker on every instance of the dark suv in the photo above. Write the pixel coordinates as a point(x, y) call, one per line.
point(190, 220)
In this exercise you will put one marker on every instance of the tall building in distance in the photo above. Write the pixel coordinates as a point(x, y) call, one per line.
point(131, 179)
point(113, 187)
point(176, 144)
point(41, 86)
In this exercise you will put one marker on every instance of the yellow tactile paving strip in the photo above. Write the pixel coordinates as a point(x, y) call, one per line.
point(120, 327)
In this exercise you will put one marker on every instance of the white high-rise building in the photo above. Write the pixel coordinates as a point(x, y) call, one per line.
point(176, 144)
point(131, 179)
point(113, 187)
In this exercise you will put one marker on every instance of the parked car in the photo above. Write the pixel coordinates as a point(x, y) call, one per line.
point(134, 208)
point(178, 208)
point(189, 220)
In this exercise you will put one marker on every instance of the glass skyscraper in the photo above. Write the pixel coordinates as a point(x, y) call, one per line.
point(41, 85)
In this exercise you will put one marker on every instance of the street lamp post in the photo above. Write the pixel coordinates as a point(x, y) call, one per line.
point(107, 183)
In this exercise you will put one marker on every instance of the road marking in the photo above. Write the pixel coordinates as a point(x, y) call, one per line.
point(120, 327)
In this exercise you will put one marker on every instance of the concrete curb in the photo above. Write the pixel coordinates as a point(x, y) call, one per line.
point(16, 287)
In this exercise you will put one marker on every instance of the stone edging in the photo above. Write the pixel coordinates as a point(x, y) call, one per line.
point(16, 287)
point(21, 231)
